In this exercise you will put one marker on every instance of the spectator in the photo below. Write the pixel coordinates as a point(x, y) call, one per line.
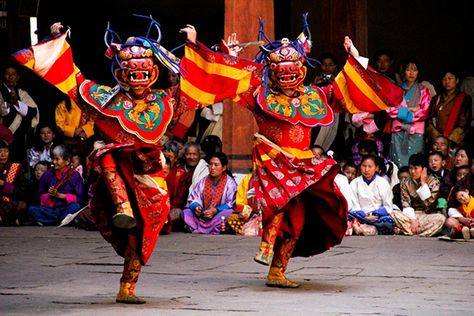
point(75, 125)
point(436, 169)
point(192, 154)
point(373, 200)
point(461, 157)
point(18, 112)
point(408, 120)
point(403, 173)
point(461, 220)
point(419, 193)
point(387, 169)
point(175, 172)
point(32, 185)
point(246, 217)
point(61, 189)
point(212, 200)
point(330, 137)
point(441, 143)
point(12, 209)
point(450, 112)
point(384, 63)
point(43, 144)
point(350, 170)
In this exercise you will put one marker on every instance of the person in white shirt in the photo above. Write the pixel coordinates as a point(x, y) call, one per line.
point(373, 197)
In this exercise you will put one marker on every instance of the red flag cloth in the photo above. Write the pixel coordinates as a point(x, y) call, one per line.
point(364, 90)
point(210, 77)
point(52, 60)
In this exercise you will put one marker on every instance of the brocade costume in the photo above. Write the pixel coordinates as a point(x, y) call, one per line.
point(304, 212)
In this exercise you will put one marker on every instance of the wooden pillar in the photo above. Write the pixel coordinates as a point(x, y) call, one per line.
point(345, 17)
point(242, 17)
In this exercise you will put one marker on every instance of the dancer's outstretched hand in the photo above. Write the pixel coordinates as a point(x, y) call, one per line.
point(350, 48)
point(56, 28)
point(190, 33)
point(231, 47)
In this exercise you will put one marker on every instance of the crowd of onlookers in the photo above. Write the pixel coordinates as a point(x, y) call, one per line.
point(407, 170)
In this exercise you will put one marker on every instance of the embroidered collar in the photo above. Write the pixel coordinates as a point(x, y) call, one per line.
point(147, 118)
point(309, 108)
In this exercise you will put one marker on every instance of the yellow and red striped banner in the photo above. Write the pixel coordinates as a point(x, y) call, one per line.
point(52, 60)
point(210, 77)
point(363, 90)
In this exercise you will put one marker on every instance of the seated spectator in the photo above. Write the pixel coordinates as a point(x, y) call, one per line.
point(373, 200)
point(61, 189)
point(76, 163)
point(173, 176)
point(318, 151)
point(461, 220)
point(349, 170)
point(419, 193)
point(387, 169)
point(461, 157)
point(442, 144)
point(75, 125)
point(212, 200)
point(192, 155)
point(12, 209)
point(246, 217)
point(32, 186)
point(403, 173)
point(436, 169)
point(466, 182)
point(209, 145)
point(460, 172)
point(42, 145)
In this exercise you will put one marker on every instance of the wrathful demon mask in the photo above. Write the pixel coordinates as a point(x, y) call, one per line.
point(135, 62)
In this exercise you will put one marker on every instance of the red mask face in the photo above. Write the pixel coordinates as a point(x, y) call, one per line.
point(285, 66)
point(138, 71)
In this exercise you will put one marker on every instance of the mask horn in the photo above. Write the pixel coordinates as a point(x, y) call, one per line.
point(110, 36)
point(261, 36)
point(306, 26)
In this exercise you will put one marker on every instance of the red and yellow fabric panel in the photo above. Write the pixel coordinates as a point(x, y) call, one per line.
point(52, 60)
point(210, 77)
point(363, 90)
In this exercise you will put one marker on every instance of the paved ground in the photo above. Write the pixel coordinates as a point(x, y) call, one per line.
point(64, 271)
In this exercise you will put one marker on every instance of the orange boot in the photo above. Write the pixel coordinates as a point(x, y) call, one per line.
point(126, 294)
point(276, 276)
point(131, 270)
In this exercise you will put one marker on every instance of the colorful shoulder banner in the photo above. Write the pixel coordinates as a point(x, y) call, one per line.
point(363, 90)
point(52, 60)
point(210, 77)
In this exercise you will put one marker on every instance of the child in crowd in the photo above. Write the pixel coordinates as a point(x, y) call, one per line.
point(32, 185)
point(350, 170)
point(61, 189)
point(461, 221)
point(373, 200)
point(461, 172)
point(436, 168)
point(76, 163)
point(402, 174)
point(318, 151)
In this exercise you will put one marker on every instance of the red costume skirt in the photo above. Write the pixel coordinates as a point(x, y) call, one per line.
point(301, 186)
point(138, 165)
